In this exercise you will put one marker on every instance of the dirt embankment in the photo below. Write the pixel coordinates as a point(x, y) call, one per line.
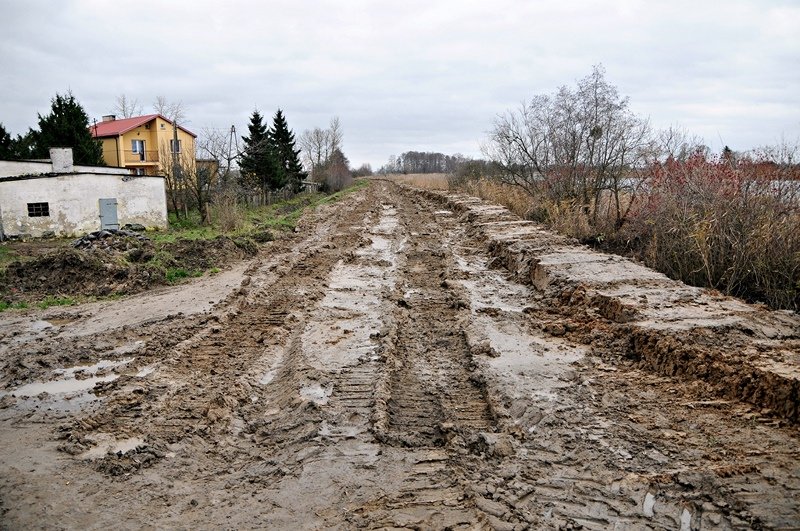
point(117, 265)
point(745, 351)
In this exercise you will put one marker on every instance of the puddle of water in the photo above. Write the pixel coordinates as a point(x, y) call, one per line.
point(380, 243)
point(686, 520)
point(145, 371)
point(268, 376)
point(316, 393)
point(91, 369)
point(106, 444)
point(130, 347)
point(648, 505)
point(69, 385)
point(271, 362)
point(342, 333)
point(38, 326)
point(59, 387)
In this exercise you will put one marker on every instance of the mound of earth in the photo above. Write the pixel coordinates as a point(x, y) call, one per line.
point(116, 265)
point(204, 254)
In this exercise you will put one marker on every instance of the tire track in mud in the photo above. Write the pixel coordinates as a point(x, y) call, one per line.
point(206, 385)
point(432, 390)
point(385, 373)
point(582, 456)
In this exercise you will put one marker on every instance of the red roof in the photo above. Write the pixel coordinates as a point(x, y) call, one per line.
point(120, 127)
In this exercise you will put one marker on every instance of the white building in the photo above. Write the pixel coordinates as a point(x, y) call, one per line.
point(68, 200)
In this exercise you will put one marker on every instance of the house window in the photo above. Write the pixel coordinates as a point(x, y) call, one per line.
point(38, 210)
point(175, 146)
point(137, 146)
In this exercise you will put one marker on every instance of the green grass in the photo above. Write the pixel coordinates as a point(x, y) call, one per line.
point(49, 301)
point(284, 215)
point(279, 216)
point(176, 274)
point(13, 306)
point(7, 255)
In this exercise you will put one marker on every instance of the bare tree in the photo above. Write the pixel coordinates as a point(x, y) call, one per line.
point(172, 110)
point(676, 143)
point(186, 181)
point(335, 135)
point(127, 107)
point(314, 145)
point(218, 145)
point(318, 146)
point(575, 144)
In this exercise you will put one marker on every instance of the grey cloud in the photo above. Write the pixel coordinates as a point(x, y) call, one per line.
point(408, 75)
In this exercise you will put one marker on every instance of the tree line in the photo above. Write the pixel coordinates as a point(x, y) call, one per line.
point(424, 162)
point(269, 160)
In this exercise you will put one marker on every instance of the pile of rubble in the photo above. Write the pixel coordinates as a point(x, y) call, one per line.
point(107, 237)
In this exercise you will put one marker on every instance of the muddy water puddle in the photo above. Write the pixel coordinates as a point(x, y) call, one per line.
point(60, 387)
point(343, 331)
point(78, 380)
point(106, 444)
point(317, 393)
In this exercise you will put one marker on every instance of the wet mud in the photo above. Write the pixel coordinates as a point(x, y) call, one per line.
point(409, 361)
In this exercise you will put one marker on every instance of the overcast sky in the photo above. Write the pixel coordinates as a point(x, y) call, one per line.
point(408, 75)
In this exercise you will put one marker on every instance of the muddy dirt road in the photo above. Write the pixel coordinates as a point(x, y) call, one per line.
point(387, 368)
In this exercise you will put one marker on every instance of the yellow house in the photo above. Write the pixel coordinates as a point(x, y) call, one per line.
point(146, 144)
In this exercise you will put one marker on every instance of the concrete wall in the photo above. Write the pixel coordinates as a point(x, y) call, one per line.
point(10, 168)
point(73, 201)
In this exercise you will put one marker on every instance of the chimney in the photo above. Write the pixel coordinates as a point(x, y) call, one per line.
point(109, 117)
point(61, 159)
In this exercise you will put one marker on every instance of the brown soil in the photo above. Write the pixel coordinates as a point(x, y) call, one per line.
point(113, 266)
point(410, 361)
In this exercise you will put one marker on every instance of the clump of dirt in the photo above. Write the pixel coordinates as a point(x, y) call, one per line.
point(204, 254)
point(121, 265)
point(64, 272)
point(125, 463)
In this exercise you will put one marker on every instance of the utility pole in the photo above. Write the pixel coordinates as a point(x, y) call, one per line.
point(176, 167)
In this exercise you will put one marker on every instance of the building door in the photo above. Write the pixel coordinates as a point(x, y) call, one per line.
point(108, 214)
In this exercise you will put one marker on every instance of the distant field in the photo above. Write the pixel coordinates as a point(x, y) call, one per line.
point(429, 181)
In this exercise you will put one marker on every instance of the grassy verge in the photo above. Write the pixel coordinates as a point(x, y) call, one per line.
point(280, 216)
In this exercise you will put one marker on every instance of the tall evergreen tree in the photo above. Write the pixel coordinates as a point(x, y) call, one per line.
point(257, 161)
point(288, 159)
point(67, 125)
point(6, 144)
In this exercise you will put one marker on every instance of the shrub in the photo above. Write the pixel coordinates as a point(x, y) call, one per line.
point(712, 222)
point(228, 213)
point(728, 225)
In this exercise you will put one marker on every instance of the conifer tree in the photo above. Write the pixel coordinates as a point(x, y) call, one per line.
point(288, 160)
point(257, 161)
point(67, 125)
point(6, 144)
